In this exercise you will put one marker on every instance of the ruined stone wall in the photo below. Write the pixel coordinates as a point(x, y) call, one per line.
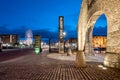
point(90, 12)
point(111, 8)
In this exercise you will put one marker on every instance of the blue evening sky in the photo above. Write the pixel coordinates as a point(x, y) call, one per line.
point(41, 16)
point(100, 27)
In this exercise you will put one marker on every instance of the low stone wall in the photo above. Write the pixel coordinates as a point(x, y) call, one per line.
point(112, 60)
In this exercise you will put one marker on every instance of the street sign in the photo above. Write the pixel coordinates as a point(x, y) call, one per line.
point(37, 47)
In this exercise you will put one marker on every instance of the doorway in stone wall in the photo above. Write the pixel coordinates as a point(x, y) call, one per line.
point(99, 35)
point(96, 38)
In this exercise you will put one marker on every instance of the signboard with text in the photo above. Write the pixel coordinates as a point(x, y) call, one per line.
point(37, 44)
point(61, 36)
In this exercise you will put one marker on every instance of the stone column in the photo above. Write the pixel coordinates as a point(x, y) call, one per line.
point(80, 57)
point(89, 43)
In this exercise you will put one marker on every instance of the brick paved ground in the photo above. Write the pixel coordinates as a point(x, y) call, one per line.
point(10, 54)
point(39, 67)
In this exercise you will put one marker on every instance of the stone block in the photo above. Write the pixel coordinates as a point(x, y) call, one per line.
point(112, 60)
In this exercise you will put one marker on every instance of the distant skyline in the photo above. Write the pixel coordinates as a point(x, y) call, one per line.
point(41, 16)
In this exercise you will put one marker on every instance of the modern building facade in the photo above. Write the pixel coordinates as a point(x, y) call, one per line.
point(8, 40)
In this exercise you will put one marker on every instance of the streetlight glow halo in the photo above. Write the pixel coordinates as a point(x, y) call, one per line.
point(64, 33)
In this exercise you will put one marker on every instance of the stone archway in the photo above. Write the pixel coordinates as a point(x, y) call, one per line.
point(89, 49)
point(90, 10)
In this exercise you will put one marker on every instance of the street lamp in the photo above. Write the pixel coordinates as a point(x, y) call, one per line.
point(64, 33)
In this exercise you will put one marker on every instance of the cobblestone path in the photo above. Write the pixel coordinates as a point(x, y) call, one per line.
point(39, 67)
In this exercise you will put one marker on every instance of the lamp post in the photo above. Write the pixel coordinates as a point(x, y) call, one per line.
point(64, 33)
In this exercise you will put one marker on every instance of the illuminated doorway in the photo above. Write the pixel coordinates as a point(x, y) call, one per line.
point(99, 34)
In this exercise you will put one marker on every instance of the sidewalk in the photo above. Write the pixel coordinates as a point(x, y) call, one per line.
point(41, 67)
point(89, 58)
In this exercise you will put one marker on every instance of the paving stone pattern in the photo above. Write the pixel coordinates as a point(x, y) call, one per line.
point(39, 67)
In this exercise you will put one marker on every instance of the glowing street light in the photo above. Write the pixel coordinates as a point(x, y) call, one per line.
point(100, 66)
point(64, 33)
point(37, 50)
point(104, 68)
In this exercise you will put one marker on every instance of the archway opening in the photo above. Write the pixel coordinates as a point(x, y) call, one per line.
point(99, 35)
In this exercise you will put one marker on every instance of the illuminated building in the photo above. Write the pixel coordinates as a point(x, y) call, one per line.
point(8, 40)
point(29, 37)
point(100, 42)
